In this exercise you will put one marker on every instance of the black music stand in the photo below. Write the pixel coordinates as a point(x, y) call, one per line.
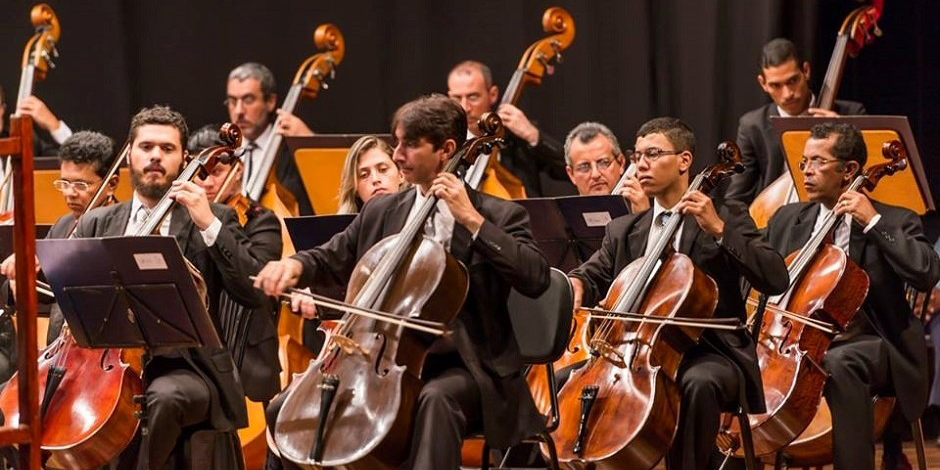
point(311, 231)
point(570, 229)
point(127, 292)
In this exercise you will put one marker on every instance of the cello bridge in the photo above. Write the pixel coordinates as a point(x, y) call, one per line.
point(607, 351)
point(348, 345)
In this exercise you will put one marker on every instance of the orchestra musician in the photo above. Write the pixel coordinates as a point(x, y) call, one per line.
point(529, 151)
point(785, 77)
point(595, 165)
point(84, 160)
point(368, 171)
point(479, 362)
point(721, 372)
point(883, 350)
point(194, 386)
point(56, 129)
point(251, 100)
point(258, 366)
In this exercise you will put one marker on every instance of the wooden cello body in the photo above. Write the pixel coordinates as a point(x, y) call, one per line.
point(90, 419)
point(858, 29)
point(790, 353)
point(621, 409)
point(354, 406)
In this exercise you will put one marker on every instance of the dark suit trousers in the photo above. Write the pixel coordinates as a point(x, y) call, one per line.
point(709, 384)
point(176, 397)
point(858, 369)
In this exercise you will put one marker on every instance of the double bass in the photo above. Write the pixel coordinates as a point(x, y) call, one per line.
point(620, 410)
point(857, 31)
point(37, 60)
point(354, 406)
point(310, 77)
point(488, 175)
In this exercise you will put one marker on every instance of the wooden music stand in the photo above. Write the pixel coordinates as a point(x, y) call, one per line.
point(28, 431)
point(320, 162)
point(906, 188)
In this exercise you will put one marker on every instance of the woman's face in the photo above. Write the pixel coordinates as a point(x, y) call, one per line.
point(376, 174)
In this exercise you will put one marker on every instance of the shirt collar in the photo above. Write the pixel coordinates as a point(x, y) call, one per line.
point(263, 139)
point(805, 112)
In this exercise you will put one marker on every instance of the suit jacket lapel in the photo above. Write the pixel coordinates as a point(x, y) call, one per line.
point(117, 220)
point(180, 226)
point(639, 236)
point(690, 234)
point(857, 242)
point(803, 228)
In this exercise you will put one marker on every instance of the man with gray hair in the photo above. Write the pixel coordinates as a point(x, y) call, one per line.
point(595, 164)
point(251, 100)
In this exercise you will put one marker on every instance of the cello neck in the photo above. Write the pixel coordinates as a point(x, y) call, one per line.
point(630, 171)
point(256, 183)
point(830, 85)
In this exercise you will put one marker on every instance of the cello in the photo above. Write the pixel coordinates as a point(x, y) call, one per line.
point(857, 31)
point(37, 60)
point(621, 409)
point(810, 442)
point(354, 407)
point(87, 405)
point(577, 349)
point(310, 77)
point(488, 175)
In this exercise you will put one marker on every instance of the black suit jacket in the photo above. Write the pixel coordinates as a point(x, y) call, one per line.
point(894, 252)
point(528, 162)
point(741, 252)
point(761, 152)
point(503, 256)
point(225, 265)
point(259, 367)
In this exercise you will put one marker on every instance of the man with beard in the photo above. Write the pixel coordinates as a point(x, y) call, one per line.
point(192, 386)
point(251, 100)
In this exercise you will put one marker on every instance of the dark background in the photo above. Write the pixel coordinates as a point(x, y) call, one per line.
point(631, 60)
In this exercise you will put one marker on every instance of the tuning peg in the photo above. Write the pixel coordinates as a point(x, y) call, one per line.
point(557, 48)
point(48, 59)
point(549, 69)
point(332, 72)
point(877, 30)
point(55, 52)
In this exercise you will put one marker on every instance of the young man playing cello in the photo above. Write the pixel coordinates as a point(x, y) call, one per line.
point(720, 373)
point(479, 362)
point(883, 348)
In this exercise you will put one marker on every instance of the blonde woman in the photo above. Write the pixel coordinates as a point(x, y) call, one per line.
point(368, 171)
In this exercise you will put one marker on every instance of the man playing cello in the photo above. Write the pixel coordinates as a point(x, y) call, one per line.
point(720, 373)
point(479, 363)
point(883, 348)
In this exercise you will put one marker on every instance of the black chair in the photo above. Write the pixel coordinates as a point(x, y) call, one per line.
point(542, 326)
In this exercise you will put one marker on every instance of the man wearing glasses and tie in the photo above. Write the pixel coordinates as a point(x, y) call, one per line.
point(251, 101)
point(595, 165)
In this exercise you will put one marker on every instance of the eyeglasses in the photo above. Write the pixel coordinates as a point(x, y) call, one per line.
point(602, 164)
point(80, 186)
point(247, 100)
point(651, 154)
point(815, 162)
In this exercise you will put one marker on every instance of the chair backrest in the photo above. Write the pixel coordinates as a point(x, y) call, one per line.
point(543, 324)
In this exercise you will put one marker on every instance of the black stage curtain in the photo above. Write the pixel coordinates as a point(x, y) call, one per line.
point(631, 60)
